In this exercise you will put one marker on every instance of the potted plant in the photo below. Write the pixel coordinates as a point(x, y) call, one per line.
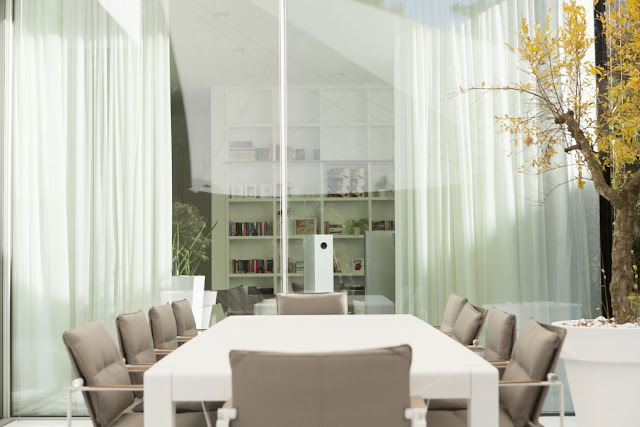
point(356, 226)
point(603, 132)
point(191, 241)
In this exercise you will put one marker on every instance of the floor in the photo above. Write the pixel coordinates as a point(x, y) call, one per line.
point(545, 421)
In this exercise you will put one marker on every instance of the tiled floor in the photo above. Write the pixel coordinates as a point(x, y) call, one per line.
point(545, 421)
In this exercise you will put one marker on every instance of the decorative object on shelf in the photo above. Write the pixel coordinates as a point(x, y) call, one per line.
point(251, 191)
point(357, 265)
point(305, 226)
point(299, 267)
point(356, 182)
point(338, 182)
point(384, 188)
point(356, 226)
point(266, 190)
point(191, 239)
point(237, 191)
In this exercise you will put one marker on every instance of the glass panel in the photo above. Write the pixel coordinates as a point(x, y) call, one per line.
point(110, 98)
point(374, 87)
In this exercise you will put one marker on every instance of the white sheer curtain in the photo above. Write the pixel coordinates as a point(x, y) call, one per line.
point(467, 221)
point(91, 181)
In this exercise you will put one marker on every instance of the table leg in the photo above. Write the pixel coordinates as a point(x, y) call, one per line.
point(483, 405)
point(159, 407)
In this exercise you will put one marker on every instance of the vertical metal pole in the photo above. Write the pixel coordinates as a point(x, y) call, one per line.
point(6, 120)
point(284, 217)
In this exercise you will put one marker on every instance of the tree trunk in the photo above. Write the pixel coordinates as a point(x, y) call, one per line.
point(622, 273)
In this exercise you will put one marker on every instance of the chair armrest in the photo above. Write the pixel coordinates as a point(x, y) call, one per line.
point(139, 367)
point(226, 414)
point(417, 413)
point(499, 363)
point(185, 338)
point(475, 347)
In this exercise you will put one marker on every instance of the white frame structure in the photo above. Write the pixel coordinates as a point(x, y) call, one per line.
point(6, 72)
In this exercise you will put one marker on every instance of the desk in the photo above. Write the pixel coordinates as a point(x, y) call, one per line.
point(199, 370)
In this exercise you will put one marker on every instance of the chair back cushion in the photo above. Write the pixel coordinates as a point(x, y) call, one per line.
point(96, 359)
point(467, 325)
point(134, 334)
point(217, 314)
point(454, 306)
point(348, 389)
point(534, 355)
point(163, 326)
point(235, 300)
point(320, 303)
point(185, 322)
point(500, 335)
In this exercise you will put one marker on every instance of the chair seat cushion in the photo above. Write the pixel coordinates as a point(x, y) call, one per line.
point(190, 419)
point(458, 418)
point(447, 404)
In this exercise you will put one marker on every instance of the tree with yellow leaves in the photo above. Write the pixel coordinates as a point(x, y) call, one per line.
point(562, 83)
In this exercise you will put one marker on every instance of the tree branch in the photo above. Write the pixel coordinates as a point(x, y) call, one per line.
point(570, 149)
point(590, 156)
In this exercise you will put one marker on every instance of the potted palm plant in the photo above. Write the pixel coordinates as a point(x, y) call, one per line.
point(579, 107)
point(191, 242)
point(356, 226)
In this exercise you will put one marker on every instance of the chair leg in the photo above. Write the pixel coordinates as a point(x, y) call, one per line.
point(69, 407)
point(207, 418)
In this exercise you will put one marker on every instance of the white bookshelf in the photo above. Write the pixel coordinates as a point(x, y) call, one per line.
point(347, 128)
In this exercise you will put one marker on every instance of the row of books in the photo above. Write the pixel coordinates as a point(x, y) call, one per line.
point(332, 228)
point(251, 228)
point(381, 224)
point(251, 266)
point(259, 154)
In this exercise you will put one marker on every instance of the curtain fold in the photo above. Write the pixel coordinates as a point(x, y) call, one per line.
point(467, 221)
point(91, 184)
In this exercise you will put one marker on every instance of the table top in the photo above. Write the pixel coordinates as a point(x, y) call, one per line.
point(200, 370)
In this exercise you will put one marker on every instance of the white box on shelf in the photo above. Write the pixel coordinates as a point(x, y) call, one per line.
point(318, 263)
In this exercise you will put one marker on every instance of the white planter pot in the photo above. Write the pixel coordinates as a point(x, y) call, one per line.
point(603, 368)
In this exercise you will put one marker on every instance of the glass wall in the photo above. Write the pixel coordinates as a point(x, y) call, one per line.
point(125, 113)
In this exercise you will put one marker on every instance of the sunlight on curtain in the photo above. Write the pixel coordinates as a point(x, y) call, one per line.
point(91, 183)
point(467, 221)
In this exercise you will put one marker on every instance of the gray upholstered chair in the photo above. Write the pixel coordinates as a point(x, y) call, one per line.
point(320, 303)
point(499, 338)
point(185, 322)
point(163, 327)
point(525, 382)
point(103, 378)
point(455, 304)
point(467, 326)
point(348, 389)
point(136, 345)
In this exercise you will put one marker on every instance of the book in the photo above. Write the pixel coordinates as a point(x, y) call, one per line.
point(334, 229)
point(305, 226)
point(336, 265)
point(299, 267)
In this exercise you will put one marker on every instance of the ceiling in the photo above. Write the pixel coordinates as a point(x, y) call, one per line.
point(235, 43)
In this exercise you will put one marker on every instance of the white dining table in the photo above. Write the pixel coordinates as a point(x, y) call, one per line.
point(441, 368)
